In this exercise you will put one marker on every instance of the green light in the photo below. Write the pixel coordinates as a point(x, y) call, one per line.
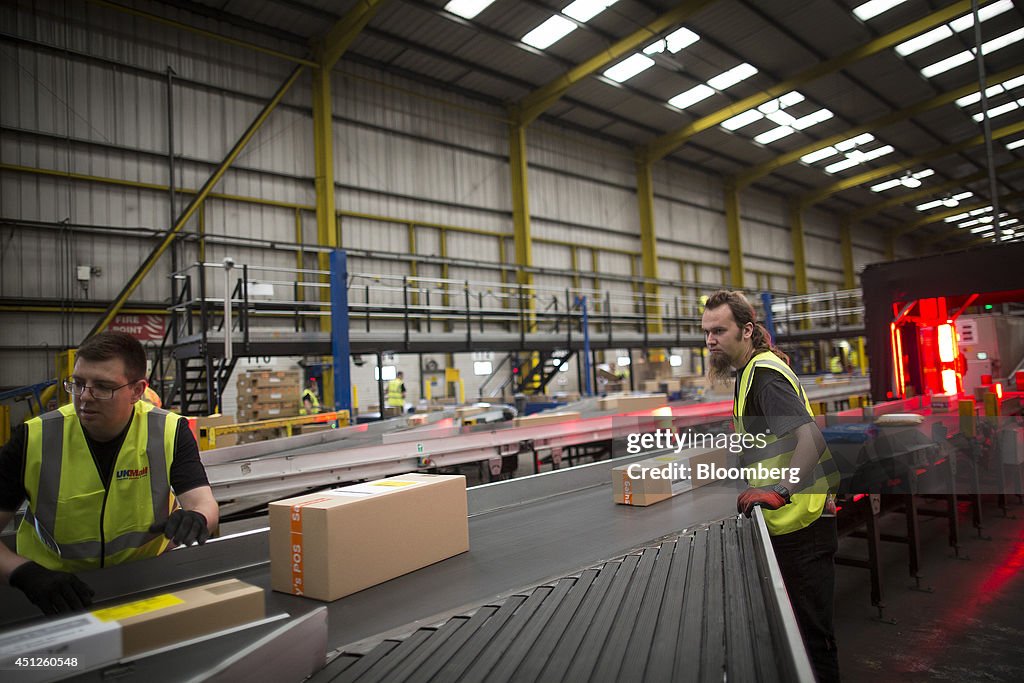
point(988, 307)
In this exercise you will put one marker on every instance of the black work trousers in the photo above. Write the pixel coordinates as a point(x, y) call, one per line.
point(806, 561)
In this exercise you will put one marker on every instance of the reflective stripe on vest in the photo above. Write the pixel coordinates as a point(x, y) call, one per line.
point(57, 534)
point(806, 506)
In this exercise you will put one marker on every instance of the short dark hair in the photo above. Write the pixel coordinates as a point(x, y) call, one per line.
point(107, 345)
point(743, 312)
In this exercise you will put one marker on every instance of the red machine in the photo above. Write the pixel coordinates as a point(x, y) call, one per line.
point(923, 344)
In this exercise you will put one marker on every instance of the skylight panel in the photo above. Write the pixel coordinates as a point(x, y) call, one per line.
point(812, 119)
point(987, 12)
point(732, 76)
point(744, 119)
point(679, 39)
point(629, 67)
point(549, 33)
point(924, 40)
point(781, 118)
point(585, 10)
point(872, 8)
point(850, 143)
point(1002, 41)
point(773, 135)
point(1015, 144)
point(841, 165)
point(819, 155)
point(975, 97)
point(997, 111)
point(944, 65)
point(467, 9)
point(959, 24)
point(692, 96)
point(887, 185)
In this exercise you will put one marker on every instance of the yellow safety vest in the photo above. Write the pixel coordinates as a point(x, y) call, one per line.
point(395, 393)
point(804, 507)
point(74, 523)
point(311, 395)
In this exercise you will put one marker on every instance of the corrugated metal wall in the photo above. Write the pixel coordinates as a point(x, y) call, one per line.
point(85, 92)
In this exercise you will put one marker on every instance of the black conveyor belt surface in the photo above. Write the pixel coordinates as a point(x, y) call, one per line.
point(696, 607)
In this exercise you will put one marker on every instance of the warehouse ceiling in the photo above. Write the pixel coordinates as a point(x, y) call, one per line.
point(871, 136)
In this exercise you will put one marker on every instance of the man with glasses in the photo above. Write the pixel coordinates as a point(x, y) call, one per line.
point(109, 479)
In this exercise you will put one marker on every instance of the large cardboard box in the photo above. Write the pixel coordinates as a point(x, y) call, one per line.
point(663, 385)
point(651, 481)
point(545, 419)
point(104, 636)
point(334, 543)
point(630, 402)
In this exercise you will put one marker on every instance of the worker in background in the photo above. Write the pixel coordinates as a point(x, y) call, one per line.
point(770, 401)
point(396, 393)
point(150, 396)
point(835, 365)
point(310, 400)
point(104, 477)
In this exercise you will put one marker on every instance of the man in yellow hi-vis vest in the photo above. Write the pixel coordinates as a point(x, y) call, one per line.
point(770, 402)
point(396, 393)
point(103, 478)
point(310, 400)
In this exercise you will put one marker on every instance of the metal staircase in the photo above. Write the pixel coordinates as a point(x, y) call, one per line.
point(535, 373)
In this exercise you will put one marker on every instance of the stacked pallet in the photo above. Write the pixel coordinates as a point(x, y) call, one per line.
point(267, 395)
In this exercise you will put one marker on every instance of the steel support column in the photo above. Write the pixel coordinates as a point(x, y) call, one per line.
point(341, 397)
point(797, 235)
point(846, 246)
point(732, 224)
point(521, 212)
point(648, 241)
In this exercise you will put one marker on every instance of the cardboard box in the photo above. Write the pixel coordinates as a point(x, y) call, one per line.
point(106, 635)
point(664, 385)
point(545, 419)
point(334, 543)
point(269, 412)
point(470, 411)
point(631, 402)
point(660, 478)
point(215, 420)
point(270, 379)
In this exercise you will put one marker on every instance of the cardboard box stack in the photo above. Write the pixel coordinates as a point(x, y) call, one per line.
point(215, 420)
point(266, 395)
point(331, 544)
point(630, 402)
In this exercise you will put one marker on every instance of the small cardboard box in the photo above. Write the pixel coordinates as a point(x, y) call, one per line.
point(215, 420)
point(664, 385)
point(470, 411)
point(629, 402)
point(334, 543)
point(651, 481)
point(545, 419)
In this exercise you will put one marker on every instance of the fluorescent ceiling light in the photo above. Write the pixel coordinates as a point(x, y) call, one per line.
point(1015, 144)
point(773, 135)
point(930, 205)
point(910, 181)
point(878, 152)
point(841, 165)
point(1009, 222)
point(924, 174)
point(850, 143)
point(819, 155)
point(978, 212)
point(987, 12)
point(674, 42)
point(873, 8)
point(787, 100)
point(781, 118)
point(968, 224)
point(924, 40)
point(732, 76)
point(467, 9)
point(974, 97)
point(585, 10)
point(812, 119)
point(962, 196)
point(958, 217)
point(629, 67)
point(549, 33)
point(887, 185)
point(1002, 41)
point(982, 228)
point(998, 111)
point(744, 119)
point(691, 96)
point(946, 64)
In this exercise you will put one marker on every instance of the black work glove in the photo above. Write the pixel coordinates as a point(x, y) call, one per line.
point(183, 527)
point(52, 591)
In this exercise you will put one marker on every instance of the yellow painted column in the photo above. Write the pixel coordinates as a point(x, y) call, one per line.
point(846, 246)
point(520, 202)
point(732, 224)
point(648, 239)
point(797, 234)
point(890, 246)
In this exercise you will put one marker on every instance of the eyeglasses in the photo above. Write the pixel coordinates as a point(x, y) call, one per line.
point(99, 393)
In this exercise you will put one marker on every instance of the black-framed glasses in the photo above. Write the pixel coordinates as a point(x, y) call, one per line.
point(99, 393)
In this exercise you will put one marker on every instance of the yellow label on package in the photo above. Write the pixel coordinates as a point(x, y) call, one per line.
point(133, 609)
point(394, 483)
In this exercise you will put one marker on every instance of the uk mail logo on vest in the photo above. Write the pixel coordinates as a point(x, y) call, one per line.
point(123, 475)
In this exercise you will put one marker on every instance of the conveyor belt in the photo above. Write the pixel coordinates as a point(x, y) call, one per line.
point(700, 606)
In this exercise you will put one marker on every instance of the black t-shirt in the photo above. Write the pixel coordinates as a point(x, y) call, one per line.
point(772, 404)
point(187, 471)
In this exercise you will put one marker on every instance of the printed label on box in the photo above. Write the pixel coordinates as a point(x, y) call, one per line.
point(133, 609)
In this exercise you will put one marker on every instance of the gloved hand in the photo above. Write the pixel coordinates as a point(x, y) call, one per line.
point(764, 497)
point(184, 527)
point(52, 591)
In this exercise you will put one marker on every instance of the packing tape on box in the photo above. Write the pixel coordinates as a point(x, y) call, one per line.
point(296, 541)
point(133, 609)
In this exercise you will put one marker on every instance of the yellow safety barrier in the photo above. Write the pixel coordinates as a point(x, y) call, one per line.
point(5, 424)
point(208, 435)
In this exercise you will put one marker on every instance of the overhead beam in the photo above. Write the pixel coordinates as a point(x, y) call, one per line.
point(666, 144)
point(943, 215)
point(778, 162)
point(147, 265)
point(201, 32)
point(538, 101)
point(340, 36)
point(930, 190)
point(876, 173)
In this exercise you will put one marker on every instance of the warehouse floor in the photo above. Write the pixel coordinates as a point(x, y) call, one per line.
point(971, 628)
